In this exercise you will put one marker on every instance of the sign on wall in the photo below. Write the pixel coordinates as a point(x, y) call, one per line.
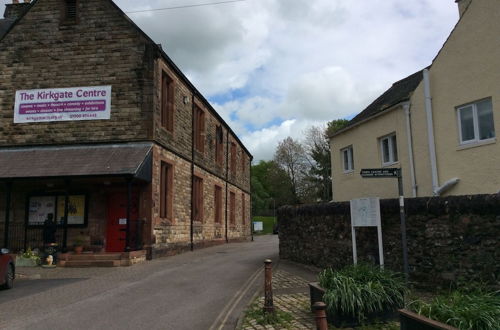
point(62, 104)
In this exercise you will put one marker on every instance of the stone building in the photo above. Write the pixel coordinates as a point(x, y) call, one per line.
point(102, 132)
point(438, 125)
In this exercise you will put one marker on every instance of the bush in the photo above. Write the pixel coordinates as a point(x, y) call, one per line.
point(475, 308)
point(362, 290)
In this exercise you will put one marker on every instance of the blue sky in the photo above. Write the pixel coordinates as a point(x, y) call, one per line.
point(273, 68)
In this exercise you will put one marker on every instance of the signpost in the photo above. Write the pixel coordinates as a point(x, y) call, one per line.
point(393, 173)
point(365, 212)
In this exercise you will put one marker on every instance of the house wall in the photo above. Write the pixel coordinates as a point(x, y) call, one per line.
point(102, 49)
point(367, 154)
point(465, 70)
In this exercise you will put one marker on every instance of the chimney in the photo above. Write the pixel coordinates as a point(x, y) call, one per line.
point(16, 9)
point(462, 6)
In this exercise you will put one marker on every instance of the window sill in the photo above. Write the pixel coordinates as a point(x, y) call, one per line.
point(390, 164)
point(349, 172)
point(475, 144)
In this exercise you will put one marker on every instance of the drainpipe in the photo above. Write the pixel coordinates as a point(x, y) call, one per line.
point(191, 233)
point(227, 177)
point(409, 135)
point(430, 131)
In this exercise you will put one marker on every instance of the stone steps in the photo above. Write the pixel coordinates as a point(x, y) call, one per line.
point(90, 256)
point(110, 259)
point(90, 263)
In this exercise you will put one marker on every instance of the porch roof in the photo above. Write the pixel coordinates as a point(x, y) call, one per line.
point(133, 159)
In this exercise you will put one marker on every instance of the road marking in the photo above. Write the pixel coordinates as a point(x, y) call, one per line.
point(228, 309)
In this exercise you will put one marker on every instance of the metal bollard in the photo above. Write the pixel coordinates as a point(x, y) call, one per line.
point(320, 315)
point(268, 287)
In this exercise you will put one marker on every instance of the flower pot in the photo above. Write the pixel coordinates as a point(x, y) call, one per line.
point(78, 249)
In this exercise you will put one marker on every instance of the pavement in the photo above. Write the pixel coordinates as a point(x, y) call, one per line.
point(290, 295)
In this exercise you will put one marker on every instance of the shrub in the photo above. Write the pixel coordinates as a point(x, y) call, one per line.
point(362, 290)
point(476, 309)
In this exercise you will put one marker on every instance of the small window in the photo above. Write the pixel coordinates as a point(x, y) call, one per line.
point(232, 208)
point(199, 129)
point(348, 159)
point(70, 11)
point(219, 145)
point(218, 204)
point(389, 150)
point(475, 122)
point(198, 198)
point(233, 158)
point(167, 102)
point(243, 162)
point(243, 208)
point(166, 195)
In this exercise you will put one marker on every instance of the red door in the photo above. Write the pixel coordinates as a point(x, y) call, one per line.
point(117, 221)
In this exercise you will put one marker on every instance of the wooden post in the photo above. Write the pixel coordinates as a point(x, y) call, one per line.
point(268, 287)
point(320, 315)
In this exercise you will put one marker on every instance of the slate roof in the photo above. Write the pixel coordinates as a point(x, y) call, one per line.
point(67, 161)
point(5, 24)
point(400, 91)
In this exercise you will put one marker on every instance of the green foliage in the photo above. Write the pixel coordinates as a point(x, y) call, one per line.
point(467, 308)
point(360, 290)
point(29, 254)
point(267, 223)
point(335, 126)
point(279, 320)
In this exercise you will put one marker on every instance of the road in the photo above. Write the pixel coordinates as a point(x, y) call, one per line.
point(204, 289)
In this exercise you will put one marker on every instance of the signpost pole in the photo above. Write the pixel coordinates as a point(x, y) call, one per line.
point(403, 224)
point(354, 250)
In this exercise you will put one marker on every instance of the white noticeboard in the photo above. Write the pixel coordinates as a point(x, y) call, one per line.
point(258, 226)
point(365, 212)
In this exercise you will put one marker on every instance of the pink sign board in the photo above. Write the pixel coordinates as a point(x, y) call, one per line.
point(63, 104)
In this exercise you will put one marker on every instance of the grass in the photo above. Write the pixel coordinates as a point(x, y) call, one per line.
point(362, 290)
point(279, 319)
point(475, 308)
point(267, 222)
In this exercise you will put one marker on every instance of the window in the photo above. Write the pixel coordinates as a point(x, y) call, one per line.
point(233, 158)
point(218, 204)
point(475, 122)
point(167, 102)
point(40, 208)
point(389, 150)
point(198, 199)
point(243, 162)
point(166, 195)
point(199, 129)
point(70, 11)
point(243, 207)
point(232, 208)
point(219, 145)
point(348, 159)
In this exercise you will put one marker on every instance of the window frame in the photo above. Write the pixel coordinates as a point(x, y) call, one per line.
point(232, 208)
point(392, 142)
point(218, 204)
point(199, 129)
point(198, 207)
point(234, 151)
point(56, 197)
point(219, 145)
point(167, 111)
point(475, 120)
point(350, 159)
point(166, 190)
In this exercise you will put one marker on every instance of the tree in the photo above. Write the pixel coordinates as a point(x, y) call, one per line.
point(319, 173)
point(291, 156)
point(335, 125)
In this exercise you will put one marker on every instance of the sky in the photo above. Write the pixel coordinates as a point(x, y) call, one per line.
point(273, 68)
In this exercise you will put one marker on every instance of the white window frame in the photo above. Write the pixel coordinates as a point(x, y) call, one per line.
point(475, 119)
point(392, 158)
point(349, 151)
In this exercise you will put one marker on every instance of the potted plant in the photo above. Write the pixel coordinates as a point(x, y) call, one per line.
point(470, 307)
point(78, 243)
point(29, 258)
point(360, 294)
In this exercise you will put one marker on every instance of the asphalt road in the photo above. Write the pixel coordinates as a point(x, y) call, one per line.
point(204, 289)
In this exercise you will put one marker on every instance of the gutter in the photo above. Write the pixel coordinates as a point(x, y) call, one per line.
point(436, 189)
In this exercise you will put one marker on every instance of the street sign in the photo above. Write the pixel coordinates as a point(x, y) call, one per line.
point(380, 172)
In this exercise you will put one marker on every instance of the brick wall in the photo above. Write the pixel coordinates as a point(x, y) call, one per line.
point(449, 239)
point(102, 49)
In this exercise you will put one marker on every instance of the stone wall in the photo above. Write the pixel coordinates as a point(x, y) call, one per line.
point(449, 239)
